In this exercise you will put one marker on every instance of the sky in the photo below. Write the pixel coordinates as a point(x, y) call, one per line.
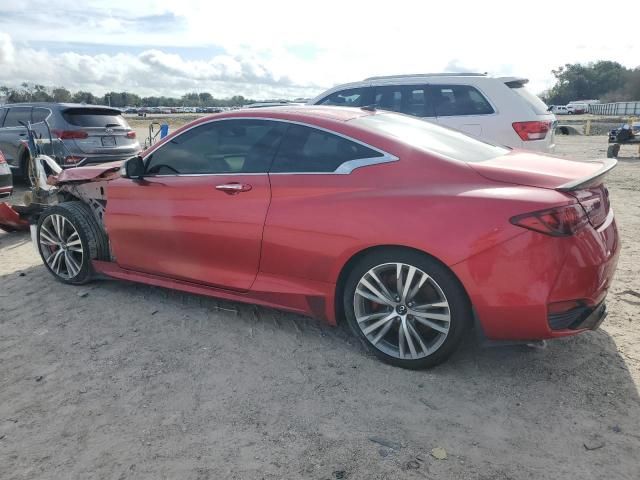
point(289, 49)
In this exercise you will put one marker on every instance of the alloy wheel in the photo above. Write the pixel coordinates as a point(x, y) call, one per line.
point(402, 311)
point(61, 246)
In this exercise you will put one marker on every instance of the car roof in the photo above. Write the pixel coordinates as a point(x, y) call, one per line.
point(59, 105)
point(319, 116)
point(425, 75)
point(299, 112)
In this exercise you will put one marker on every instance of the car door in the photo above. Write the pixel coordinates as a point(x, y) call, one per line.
point(462, 107)
point(198, 214)
point(13, 132)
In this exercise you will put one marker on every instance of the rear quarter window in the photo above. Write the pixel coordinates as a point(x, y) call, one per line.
point(40, 114)
point(454, 100)
point(537, 105)
point(307, 149)
point(432, 138)
point(94, 117)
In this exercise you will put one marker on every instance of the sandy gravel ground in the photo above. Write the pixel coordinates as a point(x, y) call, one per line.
point(121, 381)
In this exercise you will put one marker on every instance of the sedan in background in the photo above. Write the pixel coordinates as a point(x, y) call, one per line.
point(408, 231)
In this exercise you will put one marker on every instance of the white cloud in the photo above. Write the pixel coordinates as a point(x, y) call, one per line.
point(152, 72)
point(7, 51)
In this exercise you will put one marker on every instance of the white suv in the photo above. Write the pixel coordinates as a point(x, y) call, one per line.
point(499, 110)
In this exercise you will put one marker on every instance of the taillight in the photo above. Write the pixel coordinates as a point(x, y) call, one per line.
point(595, 202)
point(131, 134)
point(558, 222)
point(532, 130)
point(70, 134)
point(2, 159)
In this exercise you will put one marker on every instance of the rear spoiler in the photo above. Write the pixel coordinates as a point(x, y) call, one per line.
point(607, 165)
point(514, 82)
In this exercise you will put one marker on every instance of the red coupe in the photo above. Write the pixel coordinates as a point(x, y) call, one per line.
point(409, 231)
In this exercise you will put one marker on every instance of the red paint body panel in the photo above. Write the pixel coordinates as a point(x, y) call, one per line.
point(511, 284)
point(183, 227)
point(285, 242)
point(525, 168)
point(10, 219)
point(304, 297)
point(88, 173)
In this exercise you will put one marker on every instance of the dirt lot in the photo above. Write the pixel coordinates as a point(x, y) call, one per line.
point(121, 381)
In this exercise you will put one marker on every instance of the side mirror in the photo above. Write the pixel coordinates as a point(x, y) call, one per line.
point(133, 168)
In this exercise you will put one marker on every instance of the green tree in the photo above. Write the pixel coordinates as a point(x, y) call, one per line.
point(61, 94)
point(591, 81)
point(84, 97)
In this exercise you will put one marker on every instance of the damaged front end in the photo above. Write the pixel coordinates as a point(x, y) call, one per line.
point(51, 185)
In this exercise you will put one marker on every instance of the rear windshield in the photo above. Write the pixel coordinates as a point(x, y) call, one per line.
point(94, 117)
point(537, 105)
point(432, 138)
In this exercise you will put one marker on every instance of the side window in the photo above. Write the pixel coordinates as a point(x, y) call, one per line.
point(450, 100)
point(408, 99)
point(39, 114)
point(307, 149)
point(354, 97)
point(3, 113)
point(225, 146)
point(17, 115)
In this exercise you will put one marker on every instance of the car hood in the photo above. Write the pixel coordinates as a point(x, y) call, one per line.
point(544, 171)
point(90, 173)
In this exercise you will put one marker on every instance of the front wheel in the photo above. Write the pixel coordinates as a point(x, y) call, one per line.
point(408, 308)
point(69, 238)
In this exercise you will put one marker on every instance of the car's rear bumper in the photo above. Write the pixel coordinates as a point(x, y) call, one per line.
point(516, 287)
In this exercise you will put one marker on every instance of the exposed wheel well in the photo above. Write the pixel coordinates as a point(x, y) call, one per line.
point(24, 161)
point(353, 261)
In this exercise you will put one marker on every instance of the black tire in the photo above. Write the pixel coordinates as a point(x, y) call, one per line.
point(25, 168)
point(92, 237)
point(613, 150)
point(459, 308)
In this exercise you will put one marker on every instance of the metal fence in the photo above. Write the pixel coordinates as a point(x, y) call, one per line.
point(618, 108)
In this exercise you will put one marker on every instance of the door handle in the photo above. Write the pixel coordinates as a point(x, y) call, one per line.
point(233, 188)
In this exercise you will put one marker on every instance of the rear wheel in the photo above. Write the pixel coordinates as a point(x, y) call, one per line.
point(408, 308)
point(69, 238)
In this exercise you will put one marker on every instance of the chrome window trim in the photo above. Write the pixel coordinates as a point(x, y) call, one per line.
point(344, 168)
point(206, 174)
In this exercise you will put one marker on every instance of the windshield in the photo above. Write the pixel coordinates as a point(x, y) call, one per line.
point(432, 138)
point(94, 117)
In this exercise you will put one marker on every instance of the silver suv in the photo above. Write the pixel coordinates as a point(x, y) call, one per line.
point(79, 133)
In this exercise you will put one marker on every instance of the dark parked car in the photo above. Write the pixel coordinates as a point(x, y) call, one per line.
point(6, 182)
point(80, 133)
